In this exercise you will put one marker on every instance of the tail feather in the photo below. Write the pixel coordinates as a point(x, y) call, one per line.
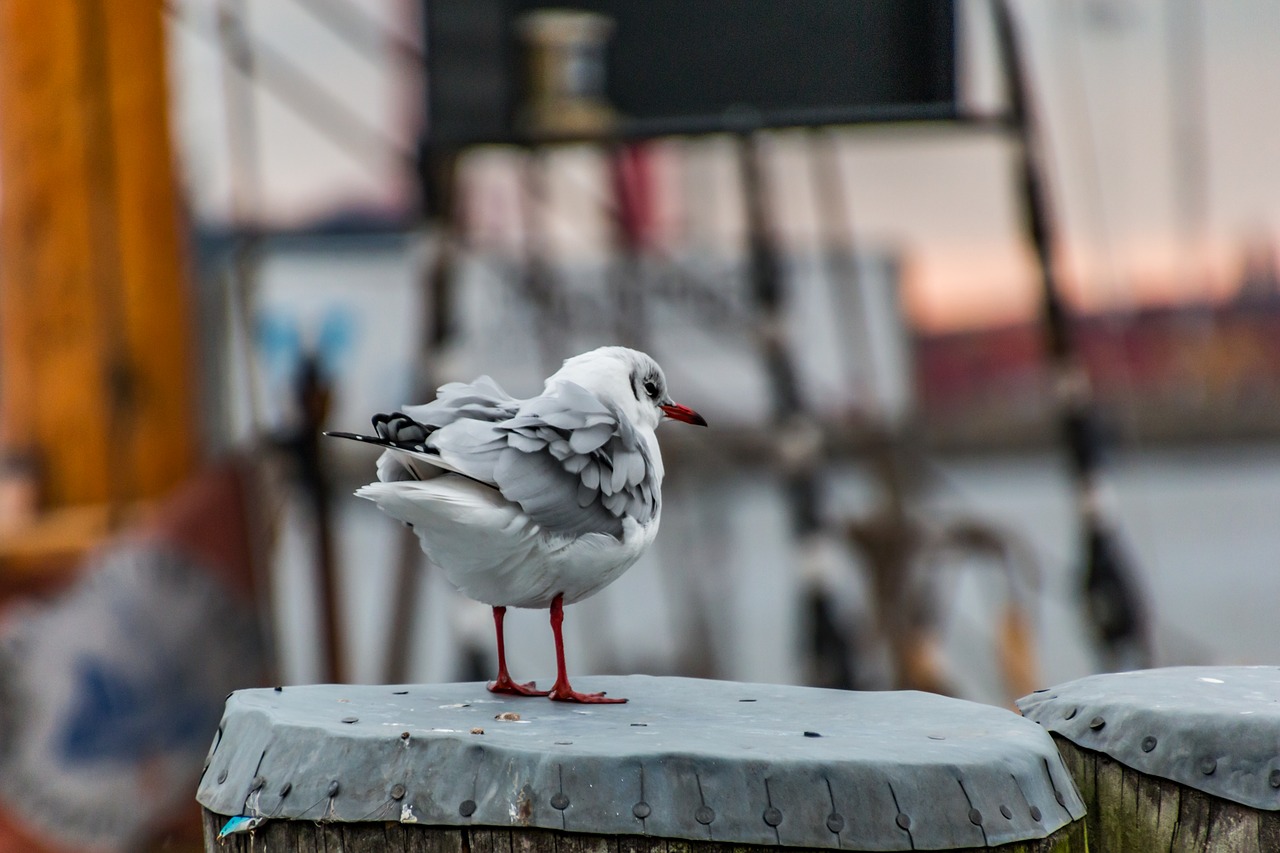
point(462, 525)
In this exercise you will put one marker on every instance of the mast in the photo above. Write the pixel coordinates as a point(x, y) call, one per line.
point(96, 381)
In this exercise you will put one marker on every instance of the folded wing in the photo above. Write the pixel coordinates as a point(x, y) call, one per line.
point(572, 463)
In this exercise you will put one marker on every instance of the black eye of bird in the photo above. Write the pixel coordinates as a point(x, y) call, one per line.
point(651, 388)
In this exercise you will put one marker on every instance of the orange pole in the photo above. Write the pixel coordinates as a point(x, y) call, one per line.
point(96, 379)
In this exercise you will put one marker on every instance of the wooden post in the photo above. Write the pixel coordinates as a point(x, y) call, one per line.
point(95, 376)
point(369, 837)
point(686, 765)
point(1129, 810)
point(1176, 759)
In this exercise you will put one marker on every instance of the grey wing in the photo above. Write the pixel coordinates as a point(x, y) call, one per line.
point(457, 431)
point(481, 400)
point(575, 465)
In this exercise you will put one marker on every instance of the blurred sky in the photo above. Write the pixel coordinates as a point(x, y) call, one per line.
point(1128, 90)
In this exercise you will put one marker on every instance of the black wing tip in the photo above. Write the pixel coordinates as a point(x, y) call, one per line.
point(333, 433)
point(410, 446)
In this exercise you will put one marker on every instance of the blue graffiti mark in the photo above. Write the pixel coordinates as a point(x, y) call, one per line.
point(283, 342)
point(337, 333)
point(279, 343)
point(123, 714)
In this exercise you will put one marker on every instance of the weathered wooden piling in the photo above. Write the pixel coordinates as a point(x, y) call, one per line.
point(686, 764)
point(1177, 759)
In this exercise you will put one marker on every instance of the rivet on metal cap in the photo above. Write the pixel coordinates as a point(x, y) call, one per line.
point(334, 787)
point(903, 821)
point(1208, 765)
point(704, 815)
point(256, 784)
point(1275, 778)
point(1007, 812)
point(222, 776)
point(560, 801)
point(1062, 801)
point(467, 808)
point(397, 791)
point(404, 736)
point(641, 810)
point(285, 789)
point(278, 689)
point(1148, 743)
point(399, 692)
point(350, 719)
point(772, 816)
point(1071, 715)
point(975, 817)
point(1035, 814)
point(1097, 723)
point(812, 734)
point(835, 822)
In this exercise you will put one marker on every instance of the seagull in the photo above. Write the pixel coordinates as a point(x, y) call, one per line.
point(533, 503)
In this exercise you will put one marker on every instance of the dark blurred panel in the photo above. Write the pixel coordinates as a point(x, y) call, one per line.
point(676, 66)
point(471, 95)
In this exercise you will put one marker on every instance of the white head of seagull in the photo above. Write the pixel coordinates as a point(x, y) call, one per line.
point(535, 503)
point(629, 379)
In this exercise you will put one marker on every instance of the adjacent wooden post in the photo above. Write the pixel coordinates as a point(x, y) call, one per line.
point(96, 381)
point(1129, 810)
point(1177, 759)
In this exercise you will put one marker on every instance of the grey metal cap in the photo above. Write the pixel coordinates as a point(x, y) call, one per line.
point(1215, 729)
point(743, 763)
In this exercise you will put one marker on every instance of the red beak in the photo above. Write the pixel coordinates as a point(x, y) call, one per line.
point(683, 413)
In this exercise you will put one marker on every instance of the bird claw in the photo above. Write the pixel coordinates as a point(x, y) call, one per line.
point(504, 684)
point(565, 693)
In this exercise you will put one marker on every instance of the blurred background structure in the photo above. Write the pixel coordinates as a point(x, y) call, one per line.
point(981, 299)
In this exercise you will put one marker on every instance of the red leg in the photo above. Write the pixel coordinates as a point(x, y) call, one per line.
point(504, 684)
point(561, 691)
